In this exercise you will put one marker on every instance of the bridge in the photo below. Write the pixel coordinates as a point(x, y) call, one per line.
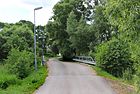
point(84, 59)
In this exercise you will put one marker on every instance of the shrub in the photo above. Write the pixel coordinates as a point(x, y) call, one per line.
point(135, 57)
point(114, 57)
point(20, 63)
point(24, 86)
point(6, 79)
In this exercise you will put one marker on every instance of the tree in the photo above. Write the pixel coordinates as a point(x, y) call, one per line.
point(124, 14)
point(3, 53)
point(82, 38)
point(1, 25)
point(15, 36)
point(72, 29)
point(63, 11)
point(100, 25)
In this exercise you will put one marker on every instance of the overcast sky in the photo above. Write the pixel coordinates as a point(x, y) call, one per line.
point(12, 11)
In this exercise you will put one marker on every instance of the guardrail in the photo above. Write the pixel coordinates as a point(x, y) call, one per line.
point(84, 59)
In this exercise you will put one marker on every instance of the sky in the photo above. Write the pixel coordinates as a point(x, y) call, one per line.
point(12, 11)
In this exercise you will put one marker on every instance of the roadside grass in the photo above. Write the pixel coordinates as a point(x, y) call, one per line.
point(103, 73)
point(120, 85)
point(9, 84)
point(6, 78)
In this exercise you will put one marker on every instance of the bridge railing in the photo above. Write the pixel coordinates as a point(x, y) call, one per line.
point(84, 59)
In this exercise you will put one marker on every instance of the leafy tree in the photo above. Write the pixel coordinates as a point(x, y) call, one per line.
point(100, 25)
point(81, 41)
point(1, 25)
point(124, 14)
point(51, 28)
point(62, 12)
point(3, 54)
point(72, 29)
point(72, 24)
point(15, 36)
point(28, 23)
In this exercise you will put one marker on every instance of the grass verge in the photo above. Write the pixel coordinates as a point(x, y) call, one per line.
point(104, 74)
point(11, 85)
point(119, 85)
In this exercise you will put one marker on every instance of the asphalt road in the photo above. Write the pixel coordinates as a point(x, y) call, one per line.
point(73, 78)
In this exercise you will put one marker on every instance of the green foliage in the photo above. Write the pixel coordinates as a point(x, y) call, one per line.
point(70, 33)
point(103, 73)
point(101, 25)
point(135, 57)
point(6, 79)
point(114, 57)
point(137, 80)
point(72, 24)
point(15, 36)
point(128, 75)
point(82, 32)
point(20, 63)
point(67, 14)
point(54, 49)
point(16, 47)
point(24, 86)
point(1, 25)
point(124, 14)
point(3, 54)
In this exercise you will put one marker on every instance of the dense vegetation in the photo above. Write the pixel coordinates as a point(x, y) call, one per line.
point(108, 30)
point(17, 75)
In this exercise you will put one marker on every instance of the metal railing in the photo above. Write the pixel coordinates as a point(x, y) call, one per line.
point(84, 59)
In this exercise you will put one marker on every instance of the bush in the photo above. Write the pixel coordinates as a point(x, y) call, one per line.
point(20, 63)
point(114, 57)
point(24, 86)
point(6, 79)
point(135, 57)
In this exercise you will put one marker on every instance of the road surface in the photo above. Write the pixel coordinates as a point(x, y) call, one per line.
point(73, 78)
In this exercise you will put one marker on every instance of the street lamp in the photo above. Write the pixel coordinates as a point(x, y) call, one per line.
point(35, 61)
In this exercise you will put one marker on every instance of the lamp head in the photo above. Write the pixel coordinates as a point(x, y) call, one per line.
point(38, 8)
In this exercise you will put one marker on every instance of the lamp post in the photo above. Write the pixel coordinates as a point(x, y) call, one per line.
point(35, 61)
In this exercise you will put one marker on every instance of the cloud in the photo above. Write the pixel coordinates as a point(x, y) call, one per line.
point(31, 2)
point(14, 10)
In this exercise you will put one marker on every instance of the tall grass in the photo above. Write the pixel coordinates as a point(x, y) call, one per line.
point(12, 85)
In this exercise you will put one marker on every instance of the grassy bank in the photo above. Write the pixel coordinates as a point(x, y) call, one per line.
point(104, 74)
point(10, 84)
point(120, 85)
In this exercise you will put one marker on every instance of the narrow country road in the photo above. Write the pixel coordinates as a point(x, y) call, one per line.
point(73, 78)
